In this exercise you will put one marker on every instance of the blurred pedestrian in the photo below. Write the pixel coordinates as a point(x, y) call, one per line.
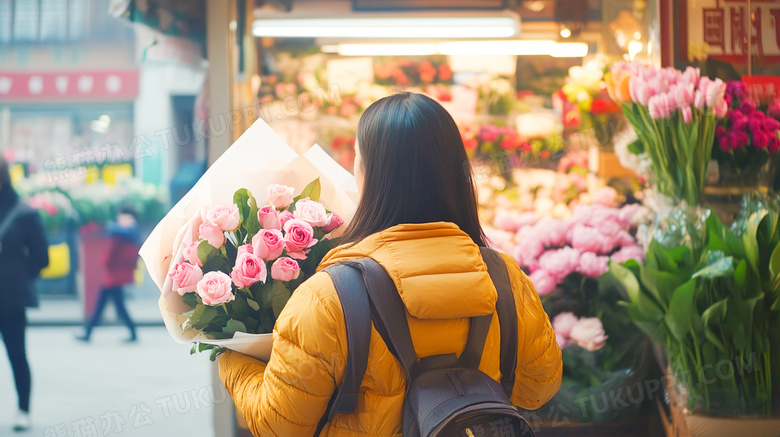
point(120, 264)
point(23, 254)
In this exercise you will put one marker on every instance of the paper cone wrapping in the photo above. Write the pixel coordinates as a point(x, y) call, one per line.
point(257, 159)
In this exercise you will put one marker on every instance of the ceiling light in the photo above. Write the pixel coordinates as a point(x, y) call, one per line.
point(386, 49)
point(504, 47)
point(565, 32)
point(569, 50)
point(517, 47)
point(465, 27)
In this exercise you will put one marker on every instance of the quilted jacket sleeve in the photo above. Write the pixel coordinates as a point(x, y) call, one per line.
point(539, 364)
point(289, 395)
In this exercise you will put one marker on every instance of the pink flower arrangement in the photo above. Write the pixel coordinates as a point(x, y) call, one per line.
point(223, 276)
point(674, 114)
point(552, 250)
point(747, 136)
point(585, 332)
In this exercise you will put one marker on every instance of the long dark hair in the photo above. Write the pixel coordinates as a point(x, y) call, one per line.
point(416, 169)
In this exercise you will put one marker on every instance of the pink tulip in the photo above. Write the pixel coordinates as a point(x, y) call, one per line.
point(687, 114)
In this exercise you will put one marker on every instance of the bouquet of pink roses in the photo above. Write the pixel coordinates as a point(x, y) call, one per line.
point(226, 262)
point(242, 261)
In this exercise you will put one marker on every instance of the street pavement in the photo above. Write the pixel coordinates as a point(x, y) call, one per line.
point(107, 387)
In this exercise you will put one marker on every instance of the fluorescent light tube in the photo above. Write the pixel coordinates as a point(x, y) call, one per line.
point(442, 27)
point(386, 49)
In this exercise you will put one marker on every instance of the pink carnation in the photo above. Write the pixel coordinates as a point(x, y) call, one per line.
point(592, 265)
point(552, 232)
point(587, 239)
point(560, 262)
point(543, 281)
point(627, 253)
point(606, 196)
point(527, 251)
point(563, 322)
point(505, 221)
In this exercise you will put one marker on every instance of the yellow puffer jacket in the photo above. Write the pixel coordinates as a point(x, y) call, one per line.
point(443, 281)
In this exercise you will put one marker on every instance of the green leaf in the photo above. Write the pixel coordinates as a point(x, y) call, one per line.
point(312, 191)
point(194, 348)
point(203, 346)
point(241, 199)
point(642, 307)
point(252, 304)
point(280, 297)
point(750, 241)
point(740, 273)
point(678, 317)
point(204, 251)
point(661, 284)
point(190, 299)
point(717, 266)
point(774, 263)
point(715, 313)
point(202, 316)
point(233, 326)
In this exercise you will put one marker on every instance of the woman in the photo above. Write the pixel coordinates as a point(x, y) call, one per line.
point(417, 217)
point(23, 254)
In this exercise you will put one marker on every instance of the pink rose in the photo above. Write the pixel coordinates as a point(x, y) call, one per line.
point(505, 221)
point(528, 250)
point(592, 265)
point(552, 232)
point(248, 270)
point(563, 322)
point(211, 233)
point(268, 218)
point(280, 196)
point(245, 248)
point(587, 239)
point(560, 262)
point(215, 288)
point(284, 217)
point(543, 281)
point(285, 269)
point(299, 236)
point(589, 334)
point(268, 244)
point(224, 216)
point(190, 253)
point(185, 277)
point(335, 221)
point(311, 212)
point(561, 340)
point(627, 253)
point(606, 196)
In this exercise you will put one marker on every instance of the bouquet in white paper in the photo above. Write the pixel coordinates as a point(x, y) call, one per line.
point(227, 262)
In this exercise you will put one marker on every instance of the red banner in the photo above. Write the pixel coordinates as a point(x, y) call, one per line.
point(99, 85)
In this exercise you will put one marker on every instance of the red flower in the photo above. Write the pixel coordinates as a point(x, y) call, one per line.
point(445, 73)
point(470, 143)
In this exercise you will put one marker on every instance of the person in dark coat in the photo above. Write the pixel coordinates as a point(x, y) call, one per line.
point(120, 263)
point(23, 254)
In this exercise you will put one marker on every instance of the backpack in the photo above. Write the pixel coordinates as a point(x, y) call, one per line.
point(446, 395)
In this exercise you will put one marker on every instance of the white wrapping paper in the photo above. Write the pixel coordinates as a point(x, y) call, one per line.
point(258, 158)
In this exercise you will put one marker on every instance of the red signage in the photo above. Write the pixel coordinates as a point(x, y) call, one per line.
point(99, 85)
point(731, 31)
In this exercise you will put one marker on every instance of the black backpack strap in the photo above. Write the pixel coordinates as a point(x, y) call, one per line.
point(351, 289)
point(389, 313)
point(507, 316)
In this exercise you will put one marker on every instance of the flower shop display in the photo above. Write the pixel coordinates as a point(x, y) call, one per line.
point(674, 115)
point(713, 302)
point(239, 263)
point(54, 207)
point(584, 101)
point(496, 95)
point(99, 202)
point(407, 72)
point(602, 351)
point(746, 138)
point(225, 270)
